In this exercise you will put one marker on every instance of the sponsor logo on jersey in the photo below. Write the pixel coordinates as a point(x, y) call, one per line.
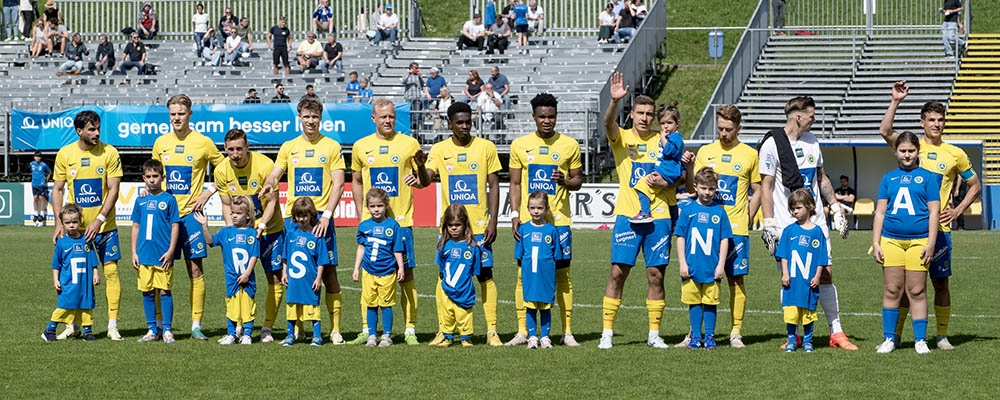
point(388, 232)
point(456, 252)
point(905, 179)
point(543, 150)
point(807, 177)
point(310, 153)
point(726, 193)
point(322, 159)
point(385, 178)
point(932, 156)
point(622, 237)
point(250, 239)
point(311, 245)
point(189, 158)
point(703, 217)
point(467, 254)
point(803, 240)
point(540, 178)
point(639, 171)
point(151, 205)
point(161, 205)
point(241, 238)
point(815, 243)
point(309, 181)
point(462, 157)
point(737, 167)
point(463, 189)
point(78, 248)
point(85, 162)
point(798, 153)
point(919, 179)
point(536, 237)
point(179, 149)
point(715, 219)
point(178, 179)
point(378, 230)
point(89, 192)
point(727, 158)
point(548, 239)
point(555, 156)
point(942, 166)
point(474, 166)
point(100, 170)
point(300, 241)
point(383, 149)
point(641, 148)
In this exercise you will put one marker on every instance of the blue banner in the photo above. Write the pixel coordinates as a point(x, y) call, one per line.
point(139, 126)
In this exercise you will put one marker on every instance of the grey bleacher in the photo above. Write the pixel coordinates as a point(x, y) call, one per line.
point(849, 77)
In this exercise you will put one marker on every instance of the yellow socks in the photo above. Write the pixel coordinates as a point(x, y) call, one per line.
point(197, 298)
point(364, 318)
point(439, 302)
point(112, 289)
point(409, 303)
point(655, 309)
point(522, 321)
point(903, 312)
point(333, 307)
point(489, 289)
point(275, 296)
point(610, 311)
point(564, 297)
point(738, 305)
point(943, 315)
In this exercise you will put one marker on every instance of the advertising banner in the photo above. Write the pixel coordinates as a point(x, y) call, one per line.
point(13, 205)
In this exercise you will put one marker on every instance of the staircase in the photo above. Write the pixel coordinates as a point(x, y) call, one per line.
point(974, 111)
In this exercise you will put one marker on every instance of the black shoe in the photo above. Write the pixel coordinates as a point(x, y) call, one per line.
point(89, 337)
point(49, 336)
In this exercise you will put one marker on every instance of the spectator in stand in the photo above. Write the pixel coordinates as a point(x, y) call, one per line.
point(388, 26)
point(212, 48)
point(413, 90)
point(40, 43)
point(279, 95)
point(778, 9)
point(536, 17)
point(625, 24)
point(277, 42)
point(473, 87)
point(949, 28)
point(251, 97)
point(607, 21)
point(433, 86)
point(489, 107)
point(10, 19)
point(353, 86)
point(618, 6)
point(52, 11)
point(104, 61)
point(309, 53)
point(507, 14)
point(228, 20)
point(445, 100)
point(58, 35)
point(74, 57)
point(233, 43)
point(246, 36)
point(498, 37)
point(28, 15)
point(134, 56)
point(490, 13)
point(146, 22)
point(520, 12)
point(365, 95)
point(200, 25)
point(501, 85)
point(473, 33)
point(322, 18)
point(310, 93)
point(845, 194)
point(640, 12)
point(333, 54)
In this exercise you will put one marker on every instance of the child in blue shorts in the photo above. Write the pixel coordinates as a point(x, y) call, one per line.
point(668, 164)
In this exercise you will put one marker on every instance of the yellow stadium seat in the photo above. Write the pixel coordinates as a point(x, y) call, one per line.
point(865, 206)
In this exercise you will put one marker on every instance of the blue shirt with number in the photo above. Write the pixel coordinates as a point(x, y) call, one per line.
point(537, 250)
point(75, 260)
point(805, 250)
point(238, 246)
point(907, 193)
point(703, 229)
point(381, 241)
point(304, 253)
point(458, 262)
point(155, 215)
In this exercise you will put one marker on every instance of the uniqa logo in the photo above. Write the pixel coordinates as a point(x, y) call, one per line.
point(175, 176)
point(382, 179)
point(461, 186)
point(307, 178)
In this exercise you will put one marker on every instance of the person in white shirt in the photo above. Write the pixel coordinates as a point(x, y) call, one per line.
point(387, 27)
point(536, 17)
point(473, 33)
point(232, 46)
point(640, 12)
point(199, 24)
point(607, 21)
point(488, 105)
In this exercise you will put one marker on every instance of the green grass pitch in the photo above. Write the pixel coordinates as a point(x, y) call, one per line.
point(191, 368)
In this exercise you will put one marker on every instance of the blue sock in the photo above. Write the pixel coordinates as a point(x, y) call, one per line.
point(466, 337)
point(807, 336)
point(87, 329)
point(792, 329)
point(449, 336)
point(248, 328)
point(52, 326)
point(531, 321)
point(694, 314)
point(291, 329)
point(386, 320)
point(230, 327)
point(643, 201)
point(890, 316)
point(919, 329)
point(372, 320)
point(149, 308)
point(710, 315)
point(546, 322)
point(317, 330)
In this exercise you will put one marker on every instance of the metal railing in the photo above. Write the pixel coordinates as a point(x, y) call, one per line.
point(351, 17)
point(562, 17)
point(871, 14)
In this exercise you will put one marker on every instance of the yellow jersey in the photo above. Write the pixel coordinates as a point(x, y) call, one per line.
point(538, 159)
point(309, 165)
point(186, 163)
point(463, 171)
point(247, 181)
point(636, 157)
point(383, 163)
point(737, 169)
point(951, 162)
point(86, 175)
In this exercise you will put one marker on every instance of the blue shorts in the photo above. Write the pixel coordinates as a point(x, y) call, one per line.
point(487, 251)
point(272, 248)
point(409, 258)
point(107, 247)
point(42, 190)
point(331, 238)
point(192, 242)
point(565, 242)
point(738, 259)
point(941, 263)
point(653, 239)
point(521, 28)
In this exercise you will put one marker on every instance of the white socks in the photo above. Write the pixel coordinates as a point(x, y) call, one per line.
point(197, 324)
point(653, 334)
point(410, 331)
point(112, 324)
point(831, 306)
point(608, 332)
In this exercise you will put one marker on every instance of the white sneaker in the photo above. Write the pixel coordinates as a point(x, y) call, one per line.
point(149, 337)
point(228, 339)
point(372, 341)
point(336, 338)
point(113, 334)
point(66, 333)
point(385, 341)
point(265, 335)
point(605, 342)
point(684, 343)
point(888, 346)
point(246, 339)
point(921, 347)
point(533, 342)
point(569, 340)
point(736, 342)
point(545, 343)
point(656, 342)
point(943, 343)
point(518, 340)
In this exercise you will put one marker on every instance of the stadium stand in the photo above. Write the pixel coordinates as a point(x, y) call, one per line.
point(974, 111)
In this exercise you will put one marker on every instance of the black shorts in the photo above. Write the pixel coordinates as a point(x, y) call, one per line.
point(280, 56)
point(40, 191)
point(521, 28)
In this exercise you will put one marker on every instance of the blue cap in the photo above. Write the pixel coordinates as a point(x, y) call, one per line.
point(388, 6)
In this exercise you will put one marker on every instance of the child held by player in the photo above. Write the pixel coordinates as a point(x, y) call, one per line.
point(155, 234)
point(536, 254)
point(459, 259)
point(302, 270)
point(802, 251)
point(239, 258)
point(668, 160)
point(378, 265)
point(903, 239)
point(74, 275)
point(703, 234)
